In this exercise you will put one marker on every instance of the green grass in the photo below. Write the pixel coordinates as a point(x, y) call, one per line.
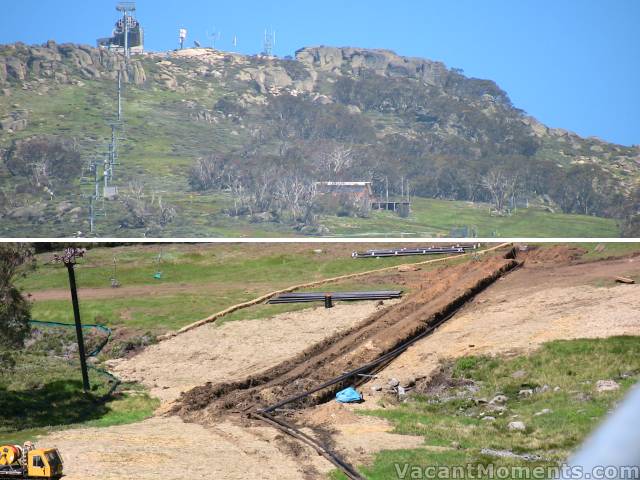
point(44, 394)
point(608, 250)
point(213, 277)
point(209, 263)
point(576, 408)
point(438, 217)
point(144, 313)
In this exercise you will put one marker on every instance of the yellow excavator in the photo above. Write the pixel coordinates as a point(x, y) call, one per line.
point(27, 462)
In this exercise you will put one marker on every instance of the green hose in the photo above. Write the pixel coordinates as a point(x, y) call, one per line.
point(104, 329)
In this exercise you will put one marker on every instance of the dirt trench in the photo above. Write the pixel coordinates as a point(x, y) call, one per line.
point(438, 293)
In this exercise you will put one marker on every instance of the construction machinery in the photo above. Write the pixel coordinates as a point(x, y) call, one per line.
point(27, 462)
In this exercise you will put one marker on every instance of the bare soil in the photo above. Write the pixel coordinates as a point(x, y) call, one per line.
point(553, 296)
point(168, 448)
point(163, 447)
point(550, 298)
point(236, 350)
point(448, 287)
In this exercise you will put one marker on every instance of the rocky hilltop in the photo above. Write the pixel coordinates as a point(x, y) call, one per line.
point(381, 62)
point(64, 63)
point(402, 118)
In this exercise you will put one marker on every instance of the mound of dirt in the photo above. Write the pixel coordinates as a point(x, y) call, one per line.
point(556, 254)
point(442, 291)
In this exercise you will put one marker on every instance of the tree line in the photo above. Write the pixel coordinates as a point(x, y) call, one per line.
point(301, 142)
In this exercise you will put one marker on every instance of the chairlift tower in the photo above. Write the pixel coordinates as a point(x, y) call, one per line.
point(119, 95)
point(126, 8)
point(93, 179)
point(109, 190)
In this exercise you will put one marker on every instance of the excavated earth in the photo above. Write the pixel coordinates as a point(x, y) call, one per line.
point(436, 294)
point(553, 296)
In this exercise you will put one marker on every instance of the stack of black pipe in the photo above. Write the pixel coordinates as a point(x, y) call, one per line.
point(302, 297)
point(407, 251)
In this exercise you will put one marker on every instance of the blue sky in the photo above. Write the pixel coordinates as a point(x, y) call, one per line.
point(573, 64)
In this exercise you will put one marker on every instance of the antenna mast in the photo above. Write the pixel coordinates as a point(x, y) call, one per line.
point(214, 36)
point(269, 42)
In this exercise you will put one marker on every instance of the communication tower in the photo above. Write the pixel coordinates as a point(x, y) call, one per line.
point(269, 42)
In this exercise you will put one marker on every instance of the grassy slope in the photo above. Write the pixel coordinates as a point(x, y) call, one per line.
point(221, 275)
point(576, 409)
point(438, 217)
point(162, 141)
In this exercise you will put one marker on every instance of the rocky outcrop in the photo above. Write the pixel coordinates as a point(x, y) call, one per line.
point(269, 79)
point(15, 122)
point(16, 68)
point(382, 62)
point(19, 62)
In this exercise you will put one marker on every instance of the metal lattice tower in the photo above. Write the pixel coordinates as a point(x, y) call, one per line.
point(126, 8)
point(269, 42)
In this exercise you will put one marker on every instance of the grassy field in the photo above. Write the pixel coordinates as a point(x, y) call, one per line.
point(198, 280)
point(453, 417)
point(44, 393)
point(438, 217)
point(210, 277)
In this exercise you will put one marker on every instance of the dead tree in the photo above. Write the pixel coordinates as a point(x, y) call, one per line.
point(501, 185)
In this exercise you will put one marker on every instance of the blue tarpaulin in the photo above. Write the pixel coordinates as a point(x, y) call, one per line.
point(348, 395)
